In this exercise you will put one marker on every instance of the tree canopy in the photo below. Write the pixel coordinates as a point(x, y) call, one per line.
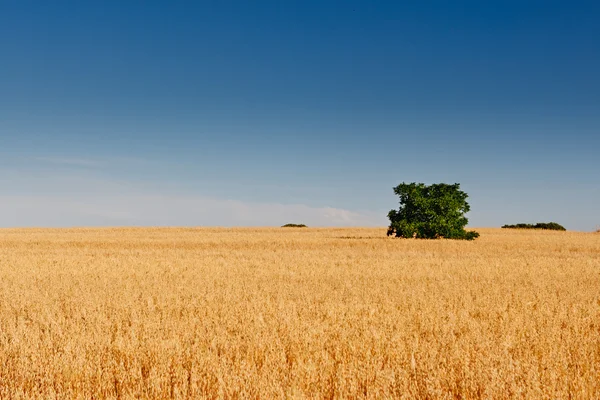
point(430, 212)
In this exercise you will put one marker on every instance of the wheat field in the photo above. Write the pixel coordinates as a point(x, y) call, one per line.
point(297, 313)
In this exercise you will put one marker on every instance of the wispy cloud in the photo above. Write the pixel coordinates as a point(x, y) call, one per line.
point(83, 198)
point(70, 161)
point(168, 210)
point(89, 162)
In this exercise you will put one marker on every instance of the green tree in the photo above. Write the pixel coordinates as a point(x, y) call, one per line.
point(430, 212)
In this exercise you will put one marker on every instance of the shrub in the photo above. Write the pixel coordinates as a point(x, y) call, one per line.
point(540, 225)
point(430, 212)
point(294, 226)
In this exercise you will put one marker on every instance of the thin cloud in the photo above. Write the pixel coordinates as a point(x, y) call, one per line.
point(90, 162)
point(68, 161)
point(84, 198)
point(161, 210)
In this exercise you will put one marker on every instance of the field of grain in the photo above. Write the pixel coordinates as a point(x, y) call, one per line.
point(297, 313)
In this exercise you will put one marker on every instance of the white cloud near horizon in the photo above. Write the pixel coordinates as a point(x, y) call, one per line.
point(82, 197)
point(167, 210)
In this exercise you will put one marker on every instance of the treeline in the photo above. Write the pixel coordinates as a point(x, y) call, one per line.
point(294, 226)
point(540, 225)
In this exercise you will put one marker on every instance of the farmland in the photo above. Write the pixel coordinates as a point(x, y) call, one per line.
point(297, 313)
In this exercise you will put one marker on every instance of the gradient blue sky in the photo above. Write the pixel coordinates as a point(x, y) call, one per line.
point(262, 113)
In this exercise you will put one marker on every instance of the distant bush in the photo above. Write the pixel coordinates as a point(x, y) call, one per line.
point(294, 226)
point(553, 226)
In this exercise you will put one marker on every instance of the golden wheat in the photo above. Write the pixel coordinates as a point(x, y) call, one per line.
point(297, 313)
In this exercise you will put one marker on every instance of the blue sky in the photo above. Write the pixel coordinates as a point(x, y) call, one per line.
point(261, 113)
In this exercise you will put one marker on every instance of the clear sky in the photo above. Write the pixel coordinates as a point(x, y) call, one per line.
point(266, 112)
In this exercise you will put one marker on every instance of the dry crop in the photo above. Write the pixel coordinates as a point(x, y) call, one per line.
point(297, 313)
